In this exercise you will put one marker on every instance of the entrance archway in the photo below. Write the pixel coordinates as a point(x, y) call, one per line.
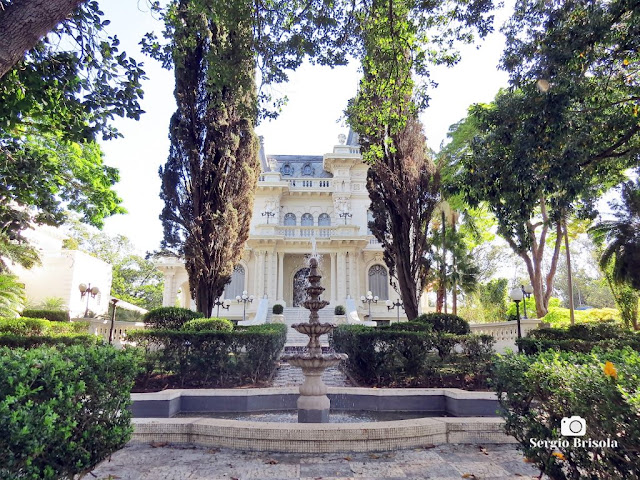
point(299, 284)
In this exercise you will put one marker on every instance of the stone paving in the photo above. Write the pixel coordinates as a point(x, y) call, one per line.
point(288, 376)
point(443, 462)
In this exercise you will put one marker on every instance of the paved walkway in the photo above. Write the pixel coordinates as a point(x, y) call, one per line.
point(446, 462)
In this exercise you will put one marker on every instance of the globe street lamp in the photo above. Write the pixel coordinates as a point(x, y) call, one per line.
point(244, 298)
point(225, 304)
point(368, 299)
point(397, 304)
point(88, 291)
point(526, 291)
point(517, 296)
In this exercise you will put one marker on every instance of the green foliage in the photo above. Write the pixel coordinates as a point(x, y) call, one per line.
point(411, 354)
point(445, 323)
point(621, 237)
point(12, 297)
point(277, 309)
point(62, 411)
point(50, 314)
point(208, 325)
point(209, 359)
point(339, 310)
point(54, 104)
point(536, 392)
point(170, 318)
point(559, 317)
point(583, 337)
point(27, 332)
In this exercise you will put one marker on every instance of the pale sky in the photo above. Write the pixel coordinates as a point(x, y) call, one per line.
point(309, 125)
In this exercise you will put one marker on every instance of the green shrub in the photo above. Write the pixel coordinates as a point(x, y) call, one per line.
point(411, 354)
point(339, 310)
point(208, 325)
point(536, 392)
point(278, 309)
point(62, 410)
point(65, 339)
point(445, 322)
point(170, 318)
point(581, 337)
point(23, 326)
point(53, 315)
point(32, 332)
point(203, 358)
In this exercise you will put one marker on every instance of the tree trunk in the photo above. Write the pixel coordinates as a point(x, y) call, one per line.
point(24, 22)
point(569, 279)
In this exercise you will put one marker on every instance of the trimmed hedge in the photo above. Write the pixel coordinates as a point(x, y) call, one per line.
point(170, 318)
point(537, 392)
point(52, 315)
point(62, 411)
point(411, 354)
point(560, 317)
point(445, 323)
point(208, 325)
point(209, 359)
point(339, 310)
point(277, 309)
point(33, 332)
point(582, 337)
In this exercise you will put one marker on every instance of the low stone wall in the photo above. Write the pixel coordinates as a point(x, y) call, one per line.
point(505, 333)
point(321, 438)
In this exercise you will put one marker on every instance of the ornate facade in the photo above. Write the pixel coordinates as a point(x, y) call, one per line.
point(303, 205)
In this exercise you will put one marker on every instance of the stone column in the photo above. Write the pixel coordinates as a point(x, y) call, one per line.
point(342, 277)
point(334, 279)
point(280, 295)
point(170, 291)
point(352, 276)
point(271, 276)
point(259, 292)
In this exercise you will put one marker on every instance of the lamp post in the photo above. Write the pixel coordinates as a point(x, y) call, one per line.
point(517, 296)
point(345, 215)
point(244, 298)
point(397, 304)
point(268, 214)
point(526, 292)
point(368, 299)
point(225, 304)
point(88, 291)
point(113, 320)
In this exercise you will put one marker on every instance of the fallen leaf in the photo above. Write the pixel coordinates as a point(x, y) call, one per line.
point(528, 460)
point(374, 456)
point(469, 475)
point(271, 462)
point(428, 446)
point(483, 450)
point(158, 444)
point(558, 455)
point(348, 459)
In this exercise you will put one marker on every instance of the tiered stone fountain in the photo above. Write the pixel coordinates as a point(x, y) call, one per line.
point(313, 403)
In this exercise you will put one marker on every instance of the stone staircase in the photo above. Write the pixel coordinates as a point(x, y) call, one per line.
point(299, 315)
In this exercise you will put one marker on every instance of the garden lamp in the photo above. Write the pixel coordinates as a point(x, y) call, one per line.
point(225, 304)
point(369, 298)
point(244, 298)
point(88, 291)
point(397, 304)
point(517, 295)
point(526, 291)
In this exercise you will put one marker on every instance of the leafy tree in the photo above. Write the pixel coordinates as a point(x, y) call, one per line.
point(24, 22)
point(403, 180)
point(54, 104)
point(211, 174)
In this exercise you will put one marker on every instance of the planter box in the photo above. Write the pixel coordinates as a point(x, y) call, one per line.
point(277, 318)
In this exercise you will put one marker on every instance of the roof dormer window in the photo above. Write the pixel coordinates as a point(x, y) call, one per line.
point(287, 169)
point(307, 170)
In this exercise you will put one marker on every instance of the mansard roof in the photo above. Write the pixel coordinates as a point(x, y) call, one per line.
point(300, 166)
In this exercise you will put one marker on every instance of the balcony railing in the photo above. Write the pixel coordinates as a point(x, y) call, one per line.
point(297, 231)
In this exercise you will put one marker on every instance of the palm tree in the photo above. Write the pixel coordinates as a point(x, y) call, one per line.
point(12, 296)
point(621, 237)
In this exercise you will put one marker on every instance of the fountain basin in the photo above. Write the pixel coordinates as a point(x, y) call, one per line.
point(303, 360)
point(314, 328)
point(471, 418)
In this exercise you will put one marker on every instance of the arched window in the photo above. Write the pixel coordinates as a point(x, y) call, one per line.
point(307, 170)
point(289, 220)
point(306, 220)
point(236, 286)
point(324, 220)
point(379, 282)
point(287, 170)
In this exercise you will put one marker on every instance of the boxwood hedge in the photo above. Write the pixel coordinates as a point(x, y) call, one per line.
point(209, 359)
point(62, 410)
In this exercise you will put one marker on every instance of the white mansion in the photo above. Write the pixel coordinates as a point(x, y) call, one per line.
point(304, 204)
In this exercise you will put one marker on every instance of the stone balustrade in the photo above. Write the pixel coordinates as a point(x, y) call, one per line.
point(100, 327)
point(505, 333)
